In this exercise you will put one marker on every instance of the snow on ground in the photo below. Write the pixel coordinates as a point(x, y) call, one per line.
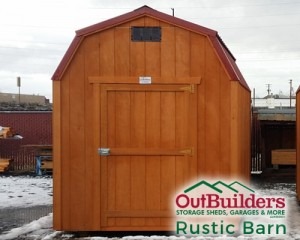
point(36, 229)
point(25, 191)
point(33, 191)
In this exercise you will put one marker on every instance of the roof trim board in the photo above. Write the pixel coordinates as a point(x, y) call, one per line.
point(145, 11)
point(67, 58)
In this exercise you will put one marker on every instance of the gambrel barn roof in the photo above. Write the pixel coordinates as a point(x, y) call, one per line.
point(223, 53)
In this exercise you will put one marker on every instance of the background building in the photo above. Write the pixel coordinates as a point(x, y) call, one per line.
point(23, 98)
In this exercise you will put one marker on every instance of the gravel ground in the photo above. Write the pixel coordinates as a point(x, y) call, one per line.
point(16, 217)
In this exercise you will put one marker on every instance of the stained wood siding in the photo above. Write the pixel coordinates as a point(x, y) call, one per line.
point(223, 113)
point(146, 129)
point(298, 145)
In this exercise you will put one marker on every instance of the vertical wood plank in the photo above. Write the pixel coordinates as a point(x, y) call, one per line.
point(57, 176)
point(65, 155)
point(242, 128)
point(110, 195)
point(192, 105)
point(138, 165)
point(153, 168)
point(96, 171)
point(137, 59)
point(225, 136)
point(137, 53)
point(198, 63)
point(240, 146)
point(168, 140)
point(212, 111)
point(122, 50)
point(197, 47)
point(107, 163)
point(201, 126)
point(168, 114)
point(182, 137)
point(298, 145)
point(168, 50)
point(234, 132)
point(123, 171)
point(106, 48)
point(92, 190)
point(152, 52)
point(111, 119)
point(138, 118)
point(182, 52)
point(77, 133)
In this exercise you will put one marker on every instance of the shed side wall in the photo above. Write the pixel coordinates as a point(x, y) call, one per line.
point(298, 145)
point(57, 169)
point(240, 132)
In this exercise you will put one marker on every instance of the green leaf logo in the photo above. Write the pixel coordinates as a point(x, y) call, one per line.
point(215, 188)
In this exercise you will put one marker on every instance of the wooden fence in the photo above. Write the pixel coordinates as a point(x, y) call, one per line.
point(35, 127)
point(23, 159)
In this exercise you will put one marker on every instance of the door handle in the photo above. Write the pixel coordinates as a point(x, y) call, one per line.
point(104, 151)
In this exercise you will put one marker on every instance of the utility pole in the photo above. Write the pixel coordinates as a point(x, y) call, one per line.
point(19, 86)
point(291, 87)
point(254, 97)
point(269, 89)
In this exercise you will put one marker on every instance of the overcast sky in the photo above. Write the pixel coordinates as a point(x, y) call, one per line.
point(263, 35)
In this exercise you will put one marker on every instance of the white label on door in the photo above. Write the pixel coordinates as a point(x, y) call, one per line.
point(145, 80)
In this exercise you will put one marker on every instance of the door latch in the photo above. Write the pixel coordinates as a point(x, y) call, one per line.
point(104, 151)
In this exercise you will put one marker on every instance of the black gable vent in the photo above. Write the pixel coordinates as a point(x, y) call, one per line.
point(146, 34)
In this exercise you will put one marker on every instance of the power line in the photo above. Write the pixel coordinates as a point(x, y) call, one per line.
point(182, 7)
point(241, 6)
point(35, 42)
point(269, 60)
point(249, 16)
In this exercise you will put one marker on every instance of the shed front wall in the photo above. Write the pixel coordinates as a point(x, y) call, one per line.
point(223, 113)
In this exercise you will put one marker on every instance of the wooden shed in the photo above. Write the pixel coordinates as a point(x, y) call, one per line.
point(144, 103)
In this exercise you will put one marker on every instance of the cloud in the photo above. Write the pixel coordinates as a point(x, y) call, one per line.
point(263, 36)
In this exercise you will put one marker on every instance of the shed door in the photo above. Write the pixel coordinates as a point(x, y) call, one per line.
point(151, 133)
